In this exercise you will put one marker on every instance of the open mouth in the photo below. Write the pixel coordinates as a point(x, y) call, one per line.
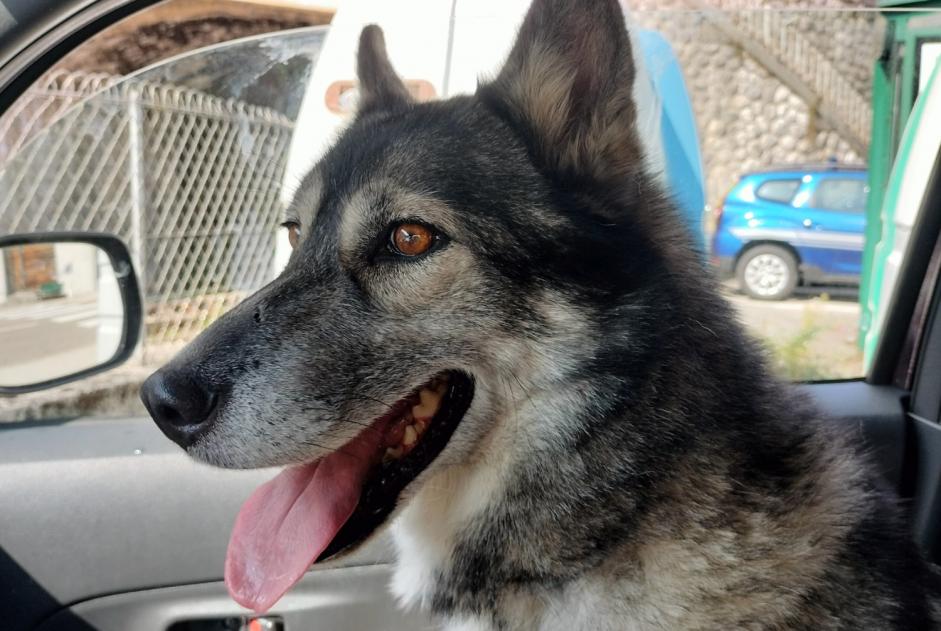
point(320, 510)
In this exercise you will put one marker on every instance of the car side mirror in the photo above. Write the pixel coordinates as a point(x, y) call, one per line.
point(70, 307)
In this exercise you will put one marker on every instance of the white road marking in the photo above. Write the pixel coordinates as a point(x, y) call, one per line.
point(43, 311)
point(18, 327)
point(81, 315)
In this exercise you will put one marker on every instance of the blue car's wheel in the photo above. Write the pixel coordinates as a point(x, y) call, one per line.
point(767, 272)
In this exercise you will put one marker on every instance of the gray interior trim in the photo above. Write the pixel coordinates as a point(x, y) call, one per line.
point(6, 19)
point(97, 507)
point(926, 503)
point(343, 599)
point(41, 21)
point(43, 36)
point(877, 413)
point(926, 390)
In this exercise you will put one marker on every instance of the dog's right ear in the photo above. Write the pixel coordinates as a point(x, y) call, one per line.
point(379, 87)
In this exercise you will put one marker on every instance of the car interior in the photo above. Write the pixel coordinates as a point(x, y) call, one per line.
point(105, 524)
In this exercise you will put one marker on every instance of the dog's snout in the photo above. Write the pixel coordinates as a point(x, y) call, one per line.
point(180, 404)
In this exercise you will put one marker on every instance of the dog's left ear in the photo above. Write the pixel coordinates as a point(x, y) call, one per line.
point(379, 87)
point(569, 81)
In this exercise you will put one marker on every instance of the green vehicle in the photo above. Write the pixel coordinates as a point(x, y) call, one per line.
point(902, 152)
point(52, 289)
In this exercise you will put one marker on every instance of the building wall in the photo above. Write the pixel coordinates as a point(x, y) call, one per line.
point(77, 268)
point(747, 118)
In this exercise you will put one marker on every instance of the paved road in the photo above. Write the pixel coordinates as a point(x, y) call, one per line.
point(45, 339)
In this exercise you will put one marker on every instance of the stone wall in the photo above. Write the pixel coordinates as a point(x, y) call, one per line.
point(747, 118)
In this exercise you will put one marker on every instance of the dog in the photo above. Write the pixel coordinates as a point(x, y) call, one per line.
point(495, 336)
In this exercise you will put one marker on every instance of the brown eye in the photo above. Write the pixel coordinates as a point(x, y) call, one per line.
point(294, 233)
point(412, 239)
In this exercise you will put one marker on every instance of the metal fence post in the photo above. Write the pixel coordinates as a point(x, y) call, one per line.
point(136, 176)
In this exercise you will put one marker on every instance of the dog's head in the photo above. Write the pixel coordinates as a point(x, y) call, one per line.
point(451, 260)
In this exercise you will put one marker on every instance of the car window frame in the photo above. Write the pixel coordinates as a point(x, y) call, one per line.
point(900, 349)
point(44, 37)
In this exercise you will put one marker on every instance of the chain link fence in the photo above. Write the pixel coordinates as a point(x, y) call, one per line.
point(191, 182)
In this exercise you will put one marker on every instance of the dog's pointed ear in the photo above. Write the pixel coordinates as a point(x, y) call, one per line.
point(569, 80)
point(379, 87)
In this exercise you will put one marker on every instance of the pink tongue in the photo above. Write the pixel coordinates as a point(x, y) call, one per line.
point(289, 521)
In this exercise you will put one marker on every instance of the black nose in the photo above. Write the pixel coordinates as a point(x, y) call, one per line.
point(180, 404)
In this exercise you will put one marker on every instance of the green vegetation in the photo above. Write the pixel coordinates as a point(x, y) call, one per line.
point(794, 359)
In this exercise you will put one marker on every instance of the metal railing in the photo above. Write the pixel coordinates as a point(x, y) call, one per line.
point(190, 181)
point(775, 42)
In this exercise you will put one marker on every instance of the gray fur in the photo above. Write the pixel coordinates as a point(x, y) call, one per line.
point(627, 461)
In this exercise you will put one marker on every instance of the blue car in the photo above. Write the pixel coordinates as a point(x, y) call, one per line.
point(790, 226)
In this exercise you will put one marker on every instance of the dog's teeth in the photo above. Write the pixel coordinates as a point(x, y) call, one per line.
point(393, 453)
point(428, 406)
point(420, 426)
point(410, 436)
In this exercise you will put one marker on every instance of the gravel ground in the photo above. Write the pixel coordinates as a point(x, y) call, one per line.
point(810, 337)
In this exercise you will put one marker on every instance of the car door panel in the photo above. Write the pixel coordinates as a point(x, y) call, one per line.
point(876, 414)
point(116, 527)
point(111, 506)
point(349, 598)
point(830, 241)
point(832, 253)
